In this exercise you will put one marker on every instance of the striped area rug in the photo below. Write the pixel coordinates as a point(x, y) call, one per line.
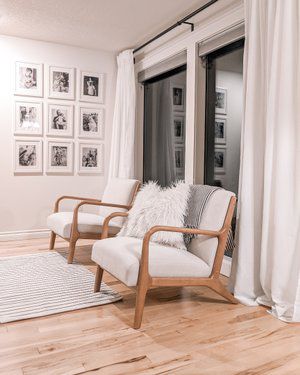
point(44, 284)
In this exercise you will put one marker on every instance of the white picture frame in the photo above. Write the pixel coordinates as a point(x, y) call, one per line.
point(91, 158)
point(61, 81)
point(29, 79)
point(60, 156)
point(92, 87)
point(220, 130)
point(28, 156)
point(91, 122)
point(179, 127)
point(220, 160)
point(221, 101)
point(179, 157)
point(60, 120)
point(28, 118)
point(178, 97)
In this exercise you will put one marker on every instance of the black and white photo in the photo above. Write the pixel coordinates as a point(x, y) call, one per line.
point(178, 124)
point(28, 156)
point(92, 87)
point(91, 158)
point(28, 79)
point(60, 120)
point(60, 157)
point(179, 156)
point(220, 160)
point(178, 97)
point(220, 130)
point(179, 162)
point(61, 83)
point(91, 123)
point(28, 118)
point(221, 101)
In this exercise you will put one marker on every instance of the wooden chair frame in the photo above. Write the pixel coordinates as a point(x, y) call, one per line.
point(75, 234)
point(145, 281)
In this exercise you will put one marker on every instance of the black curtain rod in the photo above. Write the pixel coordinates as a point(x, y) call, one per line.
point(178, 23)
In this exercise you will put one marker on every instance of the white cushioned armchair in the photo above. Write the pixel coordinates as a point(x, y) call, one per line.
point(118, 196)
point(141, 263)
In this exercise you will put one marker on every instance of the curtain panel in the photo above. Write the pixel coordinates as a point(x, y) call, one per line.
point(266, 267)
point(123, 127)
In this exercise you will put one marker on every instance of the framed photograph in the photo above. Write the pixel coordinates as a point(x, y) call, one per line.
point(92, 87)
point(91, 123)
point(178, 124)
point(28, 79)
point(221, 101)
point(91, 158)
point(61, 83)
point(179, 157)
point(28, 118)
point(220, 160)
point(60, 157)
point(28, 156)
point(60, 120)
point(178, 97)
point(220, 130)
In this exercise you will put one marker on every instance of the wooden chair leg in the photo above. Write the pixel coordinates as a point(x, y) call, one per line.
point(52, 240)
point(140, 303)
point(98, 279)
point(72, 247)
point(219, 288)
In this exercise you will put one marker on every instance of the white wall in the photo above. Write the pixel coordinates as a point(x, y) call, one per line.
point(233, 83)
point(25, 201)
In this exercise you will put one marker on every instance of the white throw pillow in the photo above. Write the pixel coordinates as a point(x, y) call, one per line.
point(154, 205)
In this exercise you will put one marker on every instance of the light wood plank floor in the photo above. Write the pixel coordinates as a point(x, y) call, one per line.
point(185, 331)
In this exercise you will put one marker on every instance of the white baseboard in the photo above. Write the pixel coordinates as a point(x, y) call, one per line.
point(226, 266)
point(24, 234)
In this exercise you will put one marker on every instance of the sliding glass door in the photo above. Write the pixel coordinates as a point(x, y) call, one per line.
point(224, 111)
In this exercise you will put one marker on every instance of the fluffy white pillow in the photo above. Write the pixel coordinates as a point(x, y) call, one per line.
point(154, 205)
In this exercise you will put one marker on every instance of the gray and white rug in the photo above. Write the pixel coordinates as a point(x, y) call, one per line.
point(44, 284)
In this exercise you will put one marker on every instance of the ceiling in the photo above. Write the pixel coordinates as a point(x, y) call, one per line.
point(111, 25)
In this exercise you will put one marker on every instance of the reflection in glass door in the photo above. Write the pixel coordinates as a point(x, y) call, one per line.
point(164, 127)
point(224, 110)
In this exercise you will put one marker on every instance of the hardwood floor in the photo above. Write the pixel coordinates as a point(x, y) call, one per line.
point(184, 331)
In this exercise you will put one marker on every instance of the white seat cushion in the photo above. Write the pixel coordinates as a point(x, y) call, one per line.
point(120, 256)
point(61, 223)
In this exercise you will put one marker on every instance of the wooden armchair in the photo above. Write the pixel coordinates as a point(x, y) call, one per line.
point(118, 195)
point(146, 264)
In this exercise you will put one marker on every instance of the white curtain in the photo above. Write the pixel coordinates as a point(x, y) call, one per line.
point(266, 268)
point(123, 127)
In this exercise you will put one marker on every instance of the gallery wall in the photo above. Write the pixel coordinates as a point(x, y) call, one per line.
point(27, 200)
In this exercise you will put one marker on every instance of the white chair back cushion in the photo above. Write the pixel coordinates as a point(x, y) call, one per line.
point(118, 191)
point(212, 219)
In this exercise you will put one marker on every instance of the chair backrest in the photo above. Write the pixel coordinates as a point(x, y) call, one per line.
point(212, 219)
point(118, 191)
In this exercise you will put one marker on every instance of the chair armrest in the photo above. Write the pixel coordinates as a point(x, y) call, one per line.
point(94, 203)
point(70, 197)
point(145, 248)
point(107, 220)
point(162, 228)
